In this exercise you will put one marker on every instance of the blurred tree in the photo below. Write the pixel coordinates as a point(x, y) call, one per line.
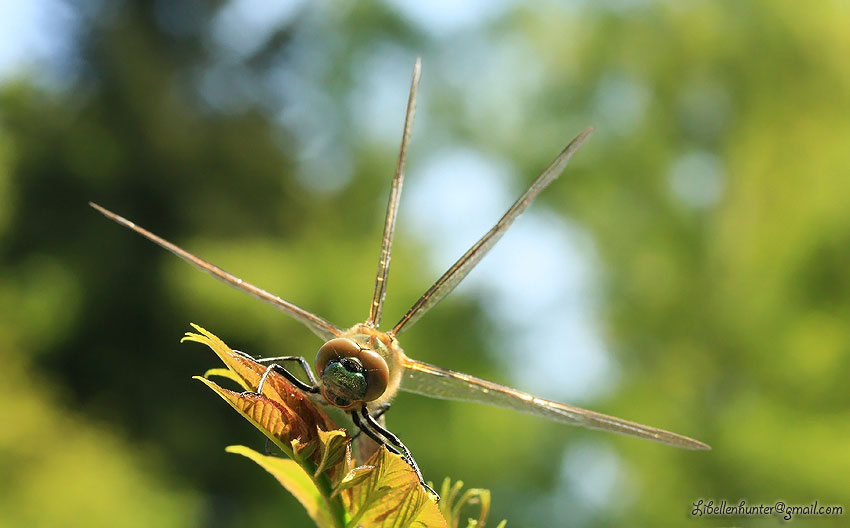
point(714, 191)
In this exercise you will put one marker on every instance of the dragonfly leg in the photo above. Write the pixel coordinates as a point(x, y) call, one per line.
point(267, 447)
point(299, 359)
point(384, 439)
point(312, 389)
point(384, 407)
point(245, 355)
point(393, 440)
point(372, 434)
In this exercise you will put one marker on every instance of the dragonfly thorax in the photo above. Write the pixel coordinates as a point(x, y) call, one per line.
point(350, 373)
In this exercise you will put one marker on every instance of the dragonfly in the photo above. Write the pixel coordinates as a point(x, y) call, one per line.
point(360, 369)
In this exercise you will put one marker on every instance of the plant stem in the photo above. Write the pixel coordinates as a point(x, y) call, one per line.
point(335, 505)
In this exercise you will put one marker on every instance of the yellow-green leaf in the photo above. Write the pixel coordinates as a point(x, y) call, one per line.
point(283, 413)
point(453, 503)
point(273, 419)
point(301, 451)
point(354, 477)
point(391, 496)
point(295, 480)
point(245, 369)
point(383, 493)
point(334, 445)
point(472, 496)
point(226, 373)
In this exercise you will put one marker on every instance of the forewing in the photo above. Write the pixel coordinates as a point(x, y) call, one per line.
point(436, 382)
point(380, 291)
point(319, 326)
point(456, 273)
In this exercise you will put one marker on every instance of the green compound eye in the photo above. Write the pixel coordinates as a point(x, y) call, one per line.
point(350, 374)
point(344, 381)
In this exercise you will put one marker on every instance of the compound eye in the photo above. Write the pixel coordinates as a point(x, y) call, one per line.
point(335, 349)
point(377, 373)
point(349, 373)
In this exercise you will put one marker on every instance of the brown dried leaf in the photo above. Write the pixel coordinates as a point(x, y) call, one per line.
point(276, 421)
point(284, 412)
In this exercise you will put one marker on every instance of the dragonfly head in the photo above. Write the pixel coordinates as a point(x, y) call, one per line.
point(350, 374)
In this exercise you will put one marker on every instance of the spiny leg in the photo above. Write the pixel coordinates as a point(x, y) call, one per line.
point(371, 434)
point(383, 408)
point(267, 447)
point(390, 439)
point(394, 440)
point(312, 387)
point(305, 366)
point(382, 440)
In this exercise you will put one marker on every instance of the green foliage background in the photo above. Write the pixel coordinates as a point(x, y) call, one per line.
point(727, 318)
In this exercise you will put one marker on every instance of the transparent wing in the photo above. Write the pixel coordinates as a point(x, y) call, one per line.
point(392, 206)
point(319, 326)
point(436, 382)
point(452, 277)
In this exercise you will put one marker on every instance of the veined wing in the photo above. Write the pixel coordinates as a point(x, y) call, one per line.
point(456, 273)
point(380, 292)
point(319, 326)
point(436, 382)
